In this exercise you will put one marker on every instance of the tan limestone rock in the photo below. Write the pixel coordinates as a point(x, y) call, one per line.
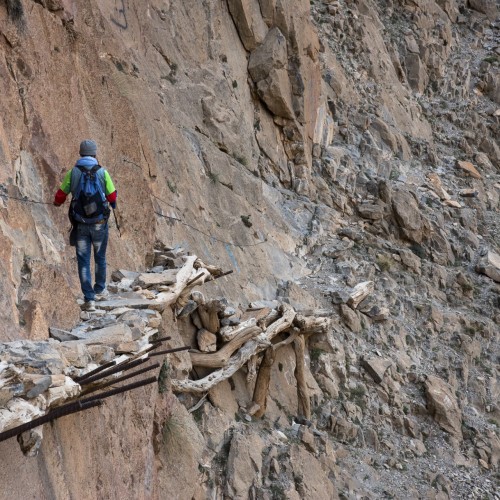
point(443, 405)
point(350, 318)
point(149, 280)
point(416, 72)
point(411, 260)
point(407, 214)
point(377, 367)
point(249, 23)
point(314, 481)
point(207, 341)
point(452, 203)
point(244, 464)
point(489, 264)
point(485, 7)
point(468, 167)
point(438, 187)
point(268, 68)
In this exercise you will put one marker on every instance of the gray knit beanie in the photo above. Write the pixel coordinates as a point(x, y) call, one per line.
point(88, 148)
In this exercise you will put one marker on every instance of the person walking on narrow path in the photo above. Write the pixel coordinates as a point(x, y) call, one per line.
point(92, 193)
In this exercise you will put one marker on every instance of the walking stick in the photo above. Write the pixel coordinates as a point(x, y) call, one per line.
point(116, 222)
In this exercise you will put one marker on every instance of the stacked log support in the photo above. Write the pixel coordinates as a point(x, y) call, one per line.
point(228, 340)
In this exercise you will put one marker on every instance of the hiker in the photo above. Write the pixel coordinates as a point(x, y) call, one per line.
point(92, 192)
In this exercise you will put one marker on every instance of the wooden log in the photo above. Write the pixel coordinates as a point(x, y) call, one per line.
point(304, 403)
point(221, 357)
point(249, 349)
point(360, 292)
point(209, 318)
point(311, 324)
point(186, 272)
point(262, 382)
point(264, 316)
point(213, 270)
point(228, 333)
point(251, 369)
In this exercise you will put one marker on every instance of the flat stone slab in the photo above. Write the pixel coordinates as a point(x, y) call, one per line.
point(148, 280)
point(109, 305)
point(111, 335)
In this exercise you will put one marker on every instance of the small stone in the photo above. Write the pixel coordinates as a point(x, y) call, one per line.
point(376, 367)
point(468, 193)
point(469, 168)
point(452, 203)
point(207, 341)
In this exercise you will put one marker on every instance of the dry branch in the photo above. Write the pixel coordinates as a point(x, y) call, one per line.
point(228, 333)
point(262, 383)
point(221, 357)
point(183, 276)
point(264, 376)
point(252, 369)
point(311, 324)
point(304, 402)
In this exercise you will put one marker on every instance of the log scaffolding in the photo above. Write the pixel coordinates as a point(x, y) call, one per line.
point(260, 331)
point(251, 340)
point(23, 411)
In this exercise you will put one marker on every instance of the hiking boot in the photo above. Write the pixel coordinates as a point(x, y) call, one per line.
point(88, 305)
point(104, 295)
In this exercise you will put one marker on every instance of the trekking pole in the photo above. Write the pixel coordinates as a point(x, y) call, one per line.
point(116, 222)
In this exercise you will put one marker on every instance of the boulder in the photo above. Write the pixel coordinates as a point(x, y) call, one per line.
point(207, 341)
point(489, 264)
point(267, 66)
point(249, 23)
point(371, 211)
point(416, 72)
point(442, 404)
point(407, 215)
point(244, 464)
point(350, 318)
point(486, 7)
point(493, 86)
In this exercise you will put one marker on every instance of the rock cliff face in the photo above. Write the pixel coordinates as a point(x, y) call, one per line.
point(341, 157)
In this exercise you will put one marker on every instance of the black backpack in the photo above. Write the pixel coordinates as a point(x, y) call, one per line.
point(88, 203)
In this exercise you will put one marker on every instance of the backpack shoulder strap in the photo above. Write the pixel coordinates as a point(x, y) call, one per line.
point(76, 174)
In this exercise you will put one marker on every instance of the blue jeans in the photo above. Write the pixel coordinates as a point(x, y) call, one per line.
point(88, 236)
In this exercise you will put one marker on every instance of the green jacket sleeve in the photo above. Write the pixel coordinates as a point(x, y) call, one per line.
point(110, 187)
point(66, 183)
